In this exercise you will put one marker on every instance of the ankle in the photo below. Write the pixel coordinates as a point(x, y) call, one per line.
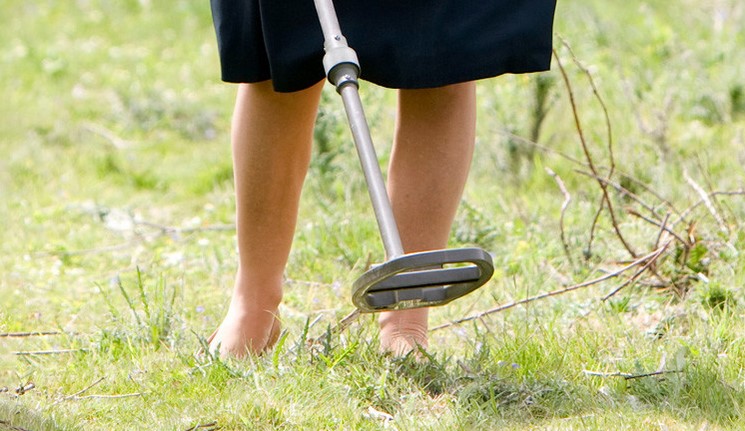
point(257, 293)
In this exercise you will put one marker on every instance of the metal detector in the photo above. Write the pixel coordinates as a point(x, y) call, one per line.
point(404, 281)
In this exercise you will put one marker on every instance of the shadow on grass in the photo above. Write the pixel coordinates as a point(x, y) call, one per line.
point(490, 392)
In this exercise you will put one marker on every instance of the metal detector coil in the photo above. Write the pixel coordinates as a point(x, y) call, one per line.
point(422, 279)
point(404, 281)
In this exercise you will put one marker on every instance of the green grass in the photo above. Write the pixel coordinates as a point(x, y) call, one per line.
point(116, 198)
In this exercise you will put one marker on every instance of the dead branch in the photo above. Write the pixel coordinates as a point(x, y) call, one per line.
point(588, 157)
point(639, 261)
point(48, 352)
point(621, 189)
point(627, 376)
point(209, 426)
point(706, 198)
point(23, 389)
point(109, 397)
point(31, 334)
point(543, 148)
point(593, 228)
point(663, 226)
point(663, 229)
point(564, 206)
point(651, 191)
point(702, 201)
point(600, 100)
point(638, 273)
point(340, 327)
point(80, 392)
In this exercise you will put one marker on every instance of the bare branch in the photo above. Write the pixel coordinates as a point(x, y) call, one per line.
point(48, 352)
point(564, 206)
point(209, 426)
point(702, 201)
point(593, 228)
point(588, 157)
point(705, 197)
point(80, 392)
point(600, 100)
point(109, 397)
point(621, 189)
point(32, 334)
point(340, 327)
point(628, 376)
point(639, 261)
point(663, 226)
point(638, 273)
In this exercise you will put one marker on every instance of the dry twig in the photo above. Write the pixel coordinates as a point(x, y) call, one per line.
point(702, 201)
point(209, 426)
point(564, 206)
point(619, 188)
point(23, 389)
point(590, 162)
point(109, 397)
point(30, 334)
point(664, 226)
point(648, 264)
point(48, 352)
point(706, 199)
point(639, 261)
point(340, 327)
point(80, 392)
point(627, 376)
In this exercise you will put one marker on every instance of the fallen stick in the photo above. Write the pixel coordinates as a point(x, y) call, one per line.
point(30, 334)
point(80, 392)
point(109, 397)
point(639, 261)
point(638, 273)
point(48, 352)
point(627, 376)
point(210, 426)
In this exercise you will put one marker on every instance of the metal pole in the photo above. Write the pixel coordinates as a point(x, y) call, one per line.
point(342, 69)
point(328, 19)
point(375, 184)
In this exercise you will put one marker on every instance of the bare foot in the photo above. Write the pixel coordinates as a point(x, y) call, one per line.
point(239, 336)
point(251, 326)
point(402, 332)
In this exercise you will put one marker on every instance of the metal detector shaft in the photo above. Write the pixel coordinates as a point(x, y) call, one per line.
point(404, 281)
point(342, 69)
point(369, 160)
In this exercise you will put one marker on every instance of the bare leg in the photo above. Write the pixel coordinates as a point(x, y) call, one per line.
point(271, 136)
point(431, 157)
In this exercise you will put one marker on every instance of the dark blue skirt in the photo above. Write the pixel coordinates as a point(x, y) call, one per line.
point(400, 43)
